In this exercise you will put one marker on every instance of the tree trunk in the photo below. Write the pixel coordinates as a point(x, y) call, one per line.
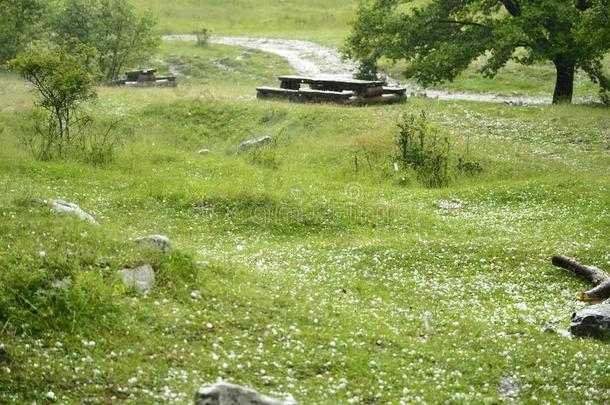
point(564, 84)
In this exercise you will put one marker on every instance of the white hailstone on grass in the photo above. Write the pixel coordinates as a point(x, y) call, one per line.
point(42, 253)
point(132, 381)
point(51, 396)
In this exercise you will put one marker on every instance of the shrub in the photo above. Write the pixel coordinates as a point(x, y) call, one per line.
point(203, 37)
point(424, 150)
point(63, 80)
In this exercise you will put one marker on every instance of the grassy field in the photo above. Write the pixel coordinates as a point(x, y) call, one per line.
point(323, 273)
point(298, 19)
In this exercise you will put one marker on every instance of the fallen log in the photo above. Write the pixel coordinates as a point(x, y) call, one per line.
point(599, 278)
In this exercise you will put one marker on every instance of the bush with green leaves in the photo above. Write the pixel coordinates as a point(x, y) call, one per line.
point(64, 80)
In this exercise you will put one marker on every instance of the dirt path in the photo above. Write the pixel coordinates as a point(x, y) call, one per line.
point(311, 59)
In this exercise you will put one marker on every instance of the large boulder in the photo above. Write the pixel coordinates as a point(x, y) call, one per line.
point(223, 393)
point(160, 242)
point(141, 278)
point(254, 143)
point(592, 321)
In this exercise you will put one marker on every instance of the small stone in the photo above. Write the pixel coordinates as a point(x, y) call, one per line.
point(593, 321)
point(449, 204)
point(223, 393)
point(160, 242)
point(61, 206)
point(509, 388)
point(196, 295)
point(254, 143)
point(65, 283)
point(141, 278)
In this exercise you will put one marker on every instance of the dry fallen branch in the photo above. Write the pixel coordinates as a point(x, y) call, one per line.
point(599, 278)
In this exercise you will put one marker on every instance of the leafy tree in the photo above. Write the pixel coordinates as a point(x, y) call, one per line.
point(120, 36)
point(19, 23)
point(63, 79)
point(441, 38)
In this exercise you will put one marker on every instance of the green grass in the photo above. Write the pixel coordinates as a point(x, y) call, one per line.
point(331, 283)
point(317, 280)
point(299, 19)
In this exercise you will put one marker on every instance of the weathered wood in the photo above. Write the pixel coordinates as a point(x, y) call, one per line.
point(401, 91)
point(591, 273)
point(304, 95)
point(383, 99)
point(322, 96)
point(274, 92)
point(362, 88)
point(597, 294)
point(599, 278)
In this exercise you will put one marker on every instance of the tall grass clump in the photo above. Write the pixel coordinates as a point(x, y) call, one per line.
point(203, 37)
point(424, 150)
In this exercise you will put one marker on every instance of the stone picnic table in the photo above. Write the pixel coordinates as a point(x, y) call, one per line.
point(335, 90)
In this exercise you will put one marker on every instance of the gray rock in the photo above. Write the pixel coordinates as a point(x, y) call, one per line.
point(449, 204)
point(508, 388)
point(223, 393)
point(141, 278)
point(592, 321)
point(61, 206)
point(155, 242)
point(254, 143)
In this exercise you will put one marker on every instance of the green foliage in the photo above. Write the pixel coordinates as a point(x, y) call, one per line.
point(203, 36)
point(367, 70)
point(63, 79)
point(20, 23)
point(422, 148)
point(121, 36)
point(442, 38)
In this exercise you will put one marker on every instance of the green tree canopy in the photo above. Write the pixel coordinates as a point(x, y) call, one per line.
point(440, 39)
point(20, 22)
point(121, 36)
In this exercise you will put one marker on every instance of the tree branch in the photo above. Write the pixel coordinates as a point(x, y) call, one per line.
point(512, 6)
point(470, 23)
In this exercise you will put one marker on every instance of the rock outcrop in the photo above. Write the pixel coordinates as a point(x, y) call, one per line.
point(592, 321)
point(141, 278)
